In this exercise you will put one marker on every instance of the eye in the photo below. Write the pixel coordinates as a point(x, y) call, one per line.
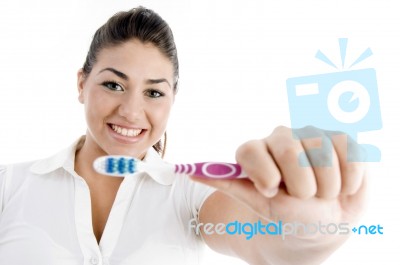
point(152, 93)
point(111, 85)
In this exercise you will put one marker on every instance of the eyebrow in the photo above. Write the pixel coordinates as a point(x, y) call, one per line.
point(157, 81)
point(116, 72)
point(125, 77)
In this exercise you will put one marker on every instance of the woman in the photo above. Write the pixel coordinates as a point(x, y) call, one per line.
point(60, 211)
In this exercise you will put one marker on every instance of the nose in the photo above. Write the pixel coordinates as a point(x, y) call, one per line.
point(132, 106)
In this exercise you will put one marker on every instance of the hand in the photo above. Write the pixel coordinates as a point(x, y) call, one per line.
point(289, 182)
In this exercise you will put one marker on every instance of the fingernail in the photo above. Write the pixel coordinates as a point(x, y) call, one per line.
point(269, 193)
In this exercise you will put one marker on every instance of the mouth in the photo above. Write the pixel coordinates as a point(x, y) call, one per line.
point(127, 132)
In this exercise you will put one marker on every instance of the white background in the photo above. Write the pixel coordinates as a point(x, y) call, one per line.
point(235, 57)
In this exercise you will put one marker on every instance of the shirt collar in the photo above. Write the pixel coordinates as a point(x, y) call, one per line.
point(65, 159)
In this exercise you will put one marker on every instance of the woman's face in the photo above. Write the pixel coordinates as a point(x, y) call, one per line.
point(127, 97)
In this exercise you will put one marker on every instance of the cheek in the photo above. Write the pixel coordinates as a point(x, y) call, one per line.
point(97, 106)
point(159, 117)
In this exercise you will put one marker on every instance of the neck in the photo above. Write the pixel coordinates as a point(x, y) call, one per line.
point(85, 154)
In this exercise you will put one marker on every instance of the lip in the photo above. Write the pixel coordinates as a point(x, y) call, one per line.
point(125, 126)
point(125, 139)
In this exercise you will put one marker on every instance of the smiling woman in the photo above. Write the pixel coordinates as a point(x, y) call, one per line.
point(59, 210)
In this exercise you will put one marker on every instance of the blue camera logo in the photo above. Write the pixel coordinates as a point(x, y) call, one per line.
point(346, 101)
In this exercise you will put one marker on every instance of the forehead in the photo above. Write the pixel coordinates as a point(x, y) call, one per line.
point(135, 57)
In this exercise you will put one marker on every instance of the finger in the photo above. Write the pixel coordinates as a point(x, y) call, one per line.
point(259, 166)
point(352, 173)
point(285, 149)
point(324, 161)
point(354, 205)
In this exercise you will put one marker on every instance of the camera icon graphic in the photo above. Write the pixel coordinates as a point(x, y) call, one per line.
point(345, 101)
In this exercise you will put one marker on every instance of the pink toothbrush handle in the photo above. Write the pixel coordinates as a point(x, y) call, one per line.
point(213, 170)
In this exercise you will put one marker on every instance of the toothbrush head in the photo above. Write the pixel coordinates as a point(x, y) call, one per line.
point(118, 166)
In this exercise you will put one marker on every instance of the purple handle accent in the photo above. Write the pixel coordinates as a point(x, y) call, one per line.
point(214, 170)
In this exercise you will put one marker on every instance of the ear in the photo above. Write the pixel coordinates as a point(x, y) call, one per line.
point(81, 78)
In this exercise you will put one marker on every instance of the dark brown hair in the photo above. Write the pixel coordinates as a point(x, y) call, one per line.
point(142, 24)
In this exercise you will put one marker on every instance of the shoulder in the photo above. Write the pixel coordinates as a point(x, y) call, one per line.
point(12, 176)
point(17, 171)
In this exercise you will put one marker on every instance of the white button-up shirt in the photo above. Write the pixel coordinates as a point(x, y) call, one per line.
point(45, 217)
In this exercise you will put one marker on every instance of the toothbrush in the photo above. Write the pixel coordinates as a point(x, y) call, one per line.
point(121, 166)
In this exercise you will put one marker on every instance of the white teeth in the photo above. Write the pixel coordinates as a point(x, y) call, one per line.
point(125, 131)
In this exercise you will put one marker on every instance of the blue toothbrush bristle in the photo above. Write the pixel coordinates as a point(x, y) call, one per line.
point(110, 165)
point(131, 166)
point(120, 165)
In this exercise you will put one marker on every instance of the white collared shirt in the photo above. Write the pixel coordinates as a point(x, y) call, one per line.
point(45, 217)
